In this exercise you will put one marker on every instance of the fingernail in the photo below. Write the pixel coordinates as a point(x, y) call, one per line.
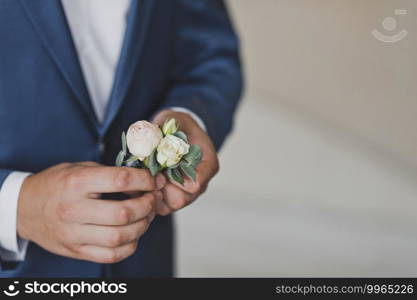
point(151, 216)
point(160, 181)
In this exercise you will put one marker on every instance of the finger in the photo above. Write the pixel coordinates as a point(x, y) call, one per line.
point(175, 198)
point(106, 255)
point(111, 236)
point(162, 208)
point(206, 169)
point(116, 179)
point(109, 212)
point(204, 172)
point(88, 164)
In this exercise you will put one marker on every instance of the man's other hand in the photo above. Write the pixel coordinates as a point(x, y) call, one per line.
point(177, 196)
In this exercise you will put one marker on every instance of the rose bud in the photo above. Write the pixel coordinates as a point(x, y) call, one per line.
point(142, 138)
point(171, 150)
point(170, 127)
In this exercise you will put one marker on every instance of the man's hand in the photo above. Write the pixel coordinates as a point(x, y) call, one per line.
point(175, 195)
point(60, 209)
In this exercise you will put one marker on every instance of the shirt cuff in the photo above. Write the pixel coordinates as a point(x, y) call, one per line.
point(192, 115)
point(12, 248)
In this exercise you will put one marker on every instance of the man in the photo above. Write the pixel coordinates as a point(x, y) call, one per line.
point(74, 74)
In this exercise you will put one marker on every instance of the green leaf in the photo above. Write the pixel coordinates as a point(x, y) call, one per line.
point(194, 155)
point(169, 174)
point(152, 163)
point(181, 135)
point(174, 166)
point(178, 176)
point(124, 148)
point(197, 159)
point(135, 164)
point(120, 158)
point(188, 170)
point(131, 159)
point(174, 175)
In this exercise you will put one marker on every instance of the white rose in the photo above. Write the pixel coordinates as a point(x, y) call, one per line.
point(142, 138)
point(171, 150)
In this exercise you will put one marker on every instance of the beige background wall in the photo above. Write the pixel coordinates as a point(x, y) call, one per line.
point(320, 55)
point(329, 119)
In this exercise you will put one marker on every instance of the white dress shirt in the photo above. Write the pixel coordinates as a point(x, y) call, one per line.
point(97, 28)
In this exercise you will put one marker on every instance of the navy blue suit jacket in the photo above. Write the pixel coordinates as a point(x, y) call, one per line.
point(180, 53)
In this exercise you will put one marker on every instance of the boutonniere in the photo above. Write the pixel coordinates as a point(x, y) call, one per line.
point(166, 149)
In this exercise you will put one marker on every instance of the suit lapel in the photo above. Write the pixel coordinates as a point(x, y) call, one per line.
point(136, 29)
point(48, 18)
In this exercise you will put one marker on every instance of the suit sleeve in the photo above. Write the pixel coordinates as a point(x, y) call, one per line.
point(206, 75)
point(3, 175)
